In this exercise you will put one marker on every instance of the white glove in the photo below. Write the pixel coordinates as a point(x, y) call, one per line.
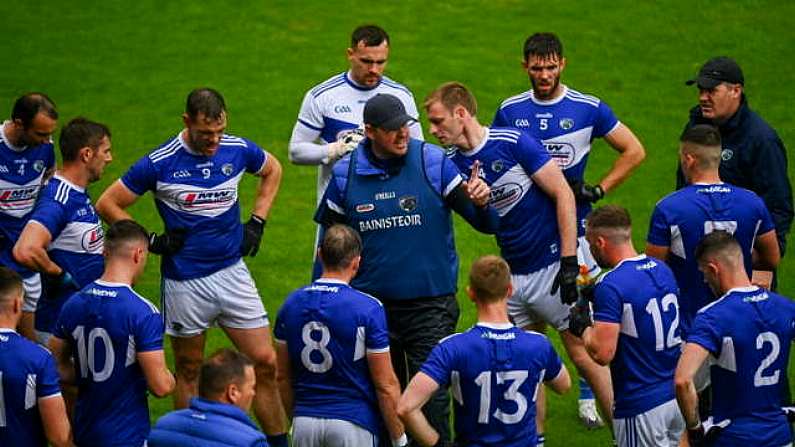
point(345, 144)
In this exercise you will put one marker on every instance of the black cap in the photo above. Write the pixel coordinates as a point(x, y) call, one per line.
point(717, 70)
point(386, 112)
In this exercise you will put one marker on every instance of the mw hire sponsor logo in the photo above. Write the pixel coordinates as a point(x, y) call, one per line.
point(206, 199)
point(17, 197)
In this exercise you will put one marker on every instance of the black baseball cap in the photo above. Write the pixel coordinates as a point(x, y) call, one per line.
point(717, 70)
point(386, 111)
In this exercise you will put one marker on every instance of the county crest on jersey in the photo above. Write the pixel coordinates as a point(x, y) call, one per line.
point(198, 194)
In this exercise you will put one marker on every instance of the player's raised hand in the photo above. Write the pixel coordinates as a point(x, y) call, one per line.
point(477, 189)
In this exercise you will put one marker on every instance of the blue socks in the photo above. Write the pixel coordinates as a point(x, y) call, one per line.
point(585, 391)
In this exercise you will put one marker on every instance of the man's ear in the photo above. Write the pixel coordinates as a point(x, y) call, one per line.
point(233, 393)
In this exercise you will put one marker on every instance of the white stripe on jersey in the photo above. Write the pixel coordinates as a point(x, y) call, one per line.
point(563, 148)
point(79, 237)
point(330, 83)
point(521, 97)
point(504, 189)
point(582, 100)
point(165, 151)
point(207, 202)
point(130, 351)
point(62, 193)
point(574, 95)
point(228, 140)
point(452, 185)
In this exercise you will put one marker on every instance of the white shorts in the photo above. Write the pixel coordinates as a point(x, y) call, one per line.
point(227, 297)
point(32, 288)
point(532, 301)
point(661, 426)
point(313, 432)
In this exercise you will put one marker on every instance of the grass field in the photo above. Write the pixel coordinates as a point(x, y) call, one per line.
point(131, 64)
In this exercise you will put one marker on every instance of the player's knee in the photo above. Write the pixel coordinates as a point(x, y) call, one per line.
point(187, 368)
point(265, 365)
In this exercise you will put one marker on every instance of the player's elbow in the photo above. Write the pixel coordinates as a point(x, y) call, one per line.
point(562, 383)
point(403, 410)
point(603, 356)
point(682, 382)
point(163, 385)
point(23, 253)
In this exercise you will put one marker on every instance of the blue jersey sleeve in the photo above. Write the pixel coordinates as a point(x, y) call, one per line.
point(141, 177)
point(706, 333)
point(280, 327)
point(451, 176)
point(51, 214)
point(530, 154)
point(377, 335)
point(49, 162)
point(149, 333)
point(255, 157)
point(500, 120)
point(764, 215)
point(605, 121)
point(553, 364)
point(659, 232)
point(65, 323)
point(333, 202)
point(47, 379)
point(439, 364)
point(608, 306)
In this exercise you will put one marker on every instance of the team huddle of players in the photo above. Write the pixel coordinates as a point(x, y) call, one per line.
point(380, 315)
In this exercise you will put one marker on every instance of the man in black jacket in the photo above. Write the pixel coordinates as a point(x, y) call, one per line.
point(753, 155)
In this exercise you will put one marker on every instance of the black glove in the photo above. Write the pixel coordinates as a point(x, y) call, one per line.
point(697, 437)
point(587, 292)
point(566, 279)
point(167, 243)
point(585, 193)
point(53, 286)
point(580, 317)
point(790, 412)
point(252, 235)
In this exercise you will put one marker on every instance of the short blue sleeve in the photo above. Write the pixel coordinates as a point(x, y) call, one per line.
point(377, 335)
point(439, 364)
point(608, 306)
point(47, 379)
point(149, 333)
point(451, 176)
point(553, 364)
point(255, 157)
point(659, 230)
point(280, 328)
point(530, 153)
point(605, 121)
point(706, 333)
point(500, 120)
point(764, 215)
point(51, 214)
point(49, 163)
point(141, 177)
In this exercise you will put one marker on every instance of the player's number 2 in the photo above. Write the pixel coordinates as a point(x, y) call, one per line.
point(775, 348)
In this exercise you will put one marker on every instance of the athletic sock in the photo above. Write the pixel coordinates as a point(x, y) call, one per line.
point(540, 440)
point(277, 440)
point(585, 391)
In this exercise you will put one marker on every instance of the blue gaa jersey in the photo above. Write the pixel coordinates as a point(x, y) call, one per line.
point(640, 295)
point(329, 328)
point(402, 218)
point(198, 194)
point(528, 235)
point(27, 374)
point(66, 212)
point(494, 371)
point(22, 172)
point(106, 325)
point(748, 331)
point(681, 219)
point(336, 106)
point(566, 125)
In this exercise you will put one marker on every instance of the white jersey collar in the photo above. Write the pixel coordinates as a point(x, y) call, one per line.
point(498, 326)
point(72, 185)
point(472, 152)
point(639, 257)
point(331, 280)
point(7, 330)
point(549, 102)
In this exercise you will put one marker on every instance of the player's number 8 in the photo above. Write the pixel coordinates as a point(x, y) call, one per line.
point(312, 345)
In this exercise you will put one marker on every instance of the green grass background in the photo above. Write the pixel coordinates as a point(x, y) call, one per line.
point(131, 64)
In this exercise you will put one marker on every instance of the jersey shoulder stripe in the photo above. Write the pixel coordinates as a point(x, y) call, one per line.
point(669, 197)
point(166, 151)
point(332, 81)
point(228, 140)
point(521, 97)
point(377, 301)
point(534, 333)
point(579, 97)
point(506, 139)
point(148, 303)
point(391, 83)
point(451, 336)
point(328, 87)
point(62, 193)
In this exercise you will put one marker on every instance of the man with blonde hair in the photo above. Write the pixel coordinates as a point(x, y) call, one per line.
point(494, 370)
